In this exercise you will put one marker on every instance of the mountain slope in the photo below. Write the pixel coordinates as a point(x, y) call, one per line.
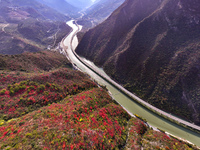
point(102, 9)
point(98, 12)
point(29, 26)
point(151, 47)
point(47, 105)
point(44, 10)
point(61, 6)
point(33, 62)
point(33, 80)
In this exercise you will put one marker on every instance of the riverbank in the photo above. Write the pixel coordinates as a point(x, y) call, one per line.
point(140, 101)
point(154, 119)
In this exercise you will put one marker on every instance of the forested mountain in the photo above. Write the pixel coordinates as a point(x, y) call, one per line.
point(152, 48)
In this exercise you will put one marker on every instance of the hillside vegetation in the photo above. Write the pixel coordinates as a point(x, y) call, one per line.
point(45, 104)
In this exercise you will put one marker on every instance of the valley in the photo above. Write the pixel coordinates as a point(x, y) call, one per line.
point(24, 26)
point(48, 104)
point(131, 103)
point(151, 49)
point(147, 98)
point(98, 12)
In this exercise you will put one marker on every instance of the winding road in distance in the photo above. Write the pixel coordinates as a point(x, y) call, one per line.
point(131, 103)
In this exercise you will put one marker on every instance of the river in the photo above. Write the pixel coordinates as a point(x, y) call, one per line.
point(127, 103)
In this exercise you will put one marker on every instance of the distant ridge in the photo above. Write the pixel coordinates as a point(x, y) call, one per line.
point(61, 6)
